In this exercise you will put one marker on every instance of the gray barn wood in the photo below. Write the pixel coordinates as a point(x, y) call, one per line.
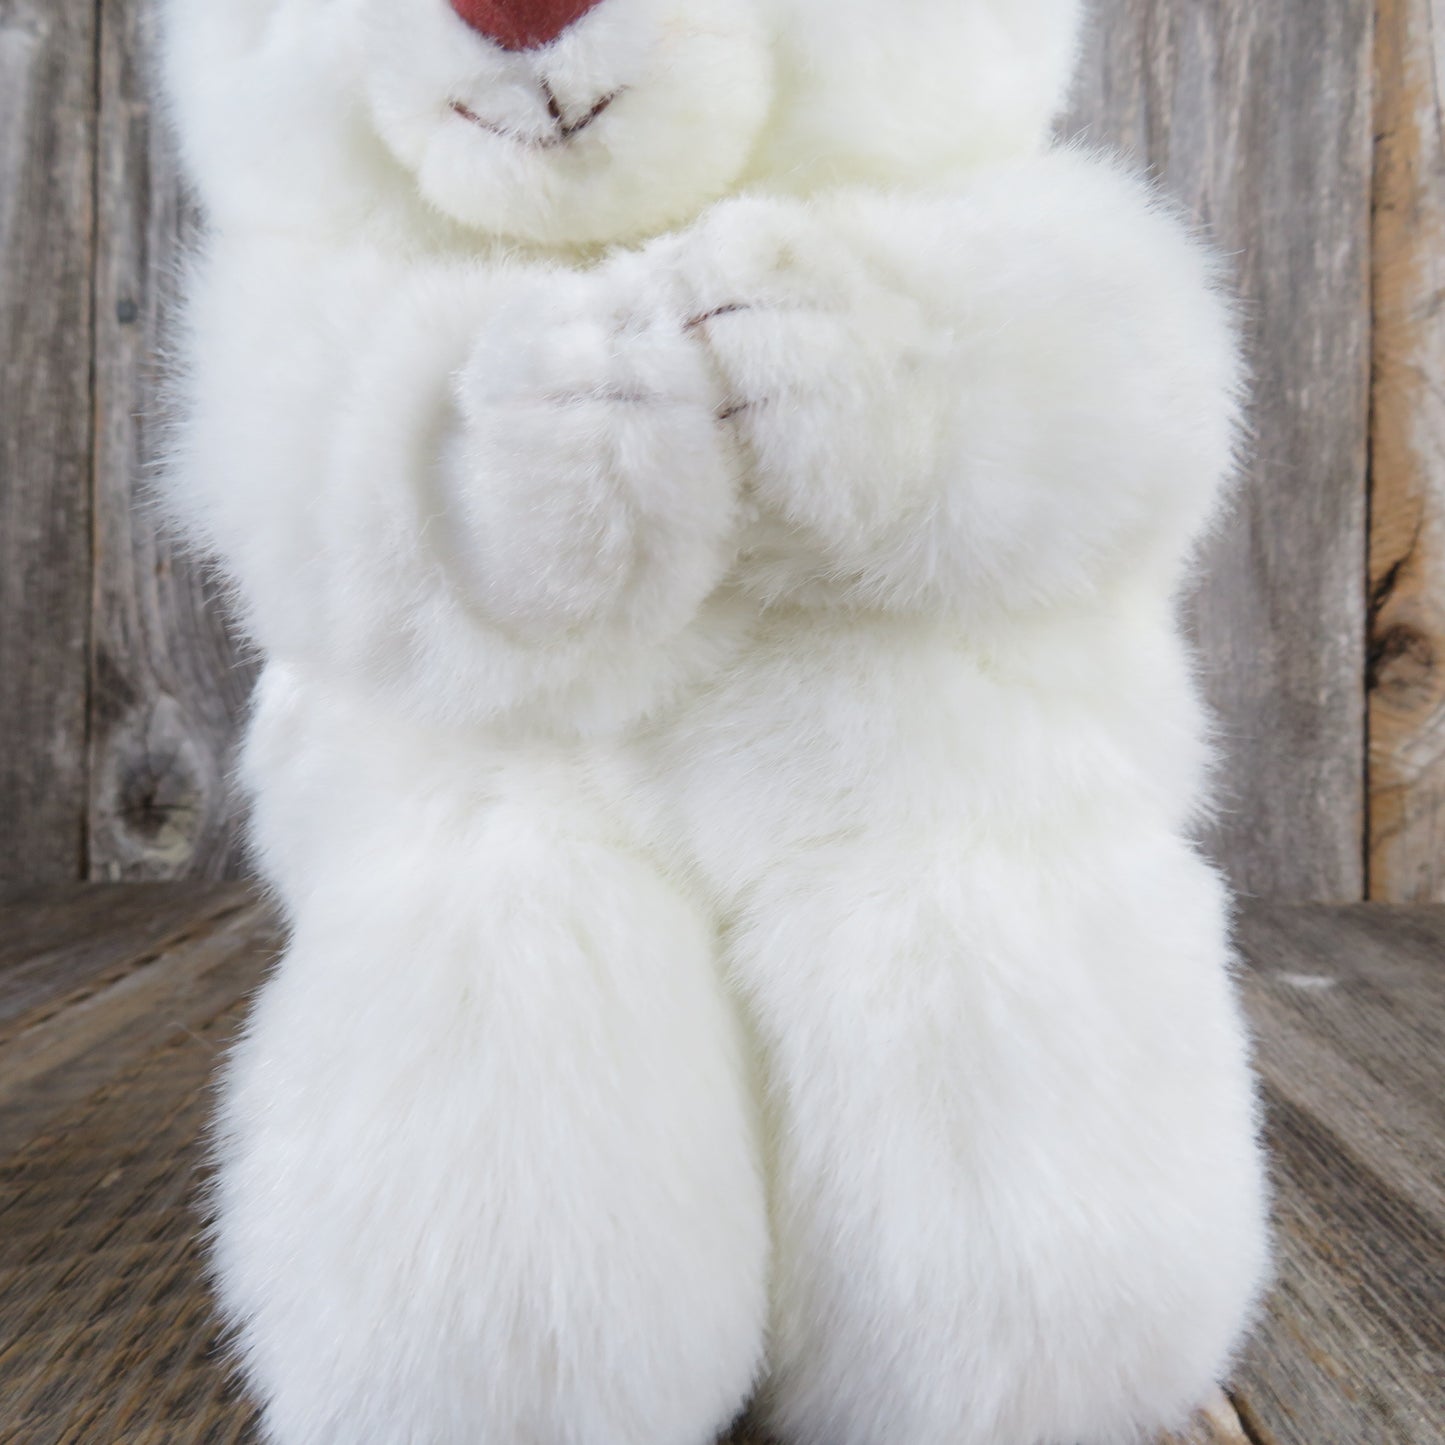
point(1349, 1005)
point(47, 173)
point(121, 690)
point(166, 683)
point(111, 1029)
point(1256, 114)
point(1406, 676)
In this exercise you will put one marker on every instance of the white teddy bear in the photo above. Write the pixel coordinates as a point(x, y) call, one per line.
point(709, 484)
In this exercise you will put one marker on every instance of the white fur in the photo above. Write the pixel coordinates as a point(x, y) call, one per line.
point(725, 750)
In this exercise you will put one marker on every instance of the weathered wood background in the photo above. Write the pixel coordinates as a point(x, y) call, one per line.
point(1304, 134)
point(115, 1004)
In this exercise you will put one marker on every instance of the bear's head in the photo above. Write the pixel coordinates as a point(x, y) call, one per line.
point(575, 123)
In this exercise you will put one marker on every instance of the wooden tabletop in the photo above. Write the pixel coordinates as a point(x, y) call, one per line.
point(115, 1003)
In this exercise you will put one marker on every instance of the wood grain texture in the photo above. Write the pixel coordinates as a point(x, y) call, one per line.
point(105, 1329)
point(1407, 499)
point(1256, 114)
point(64, 1055)
point(1349, 1005)
point(167, 685)
point(119, 687)
point(58, 946)
point(47, 166)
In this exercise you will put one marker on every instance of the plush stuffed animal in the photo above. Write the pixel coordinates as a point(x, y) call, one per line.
point(709, 484)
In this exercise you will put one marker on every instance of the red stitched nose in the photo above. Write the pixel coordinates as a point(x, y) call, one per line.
point(522, 24)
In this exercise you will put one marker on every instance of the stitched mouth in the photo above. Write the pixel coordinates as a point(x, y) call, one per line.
point(563, 130)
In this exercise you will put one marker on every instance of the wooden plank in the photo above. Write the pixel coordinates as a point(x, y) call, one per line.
point(1257, 115)
point(167, 685)
point(64, 1057)
point(47, 920)
point(1358, 1037)
point(1407, 481)
point(105, 1327)
point(47, 164)
point(57, 948)
point(1350, 1010)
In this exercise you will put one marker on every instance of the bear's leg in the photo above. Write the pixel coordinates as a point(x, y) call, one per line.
point(1018, 1198)
point(486, 1151)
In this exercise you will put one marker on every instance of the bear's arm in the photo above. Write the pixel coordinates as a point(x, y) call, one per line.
point(991, 399)
point(445, 479)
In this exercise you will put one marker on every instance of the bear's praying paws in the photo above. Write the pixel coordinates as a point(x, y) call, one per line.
point(833, 370)
point(594, 480)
